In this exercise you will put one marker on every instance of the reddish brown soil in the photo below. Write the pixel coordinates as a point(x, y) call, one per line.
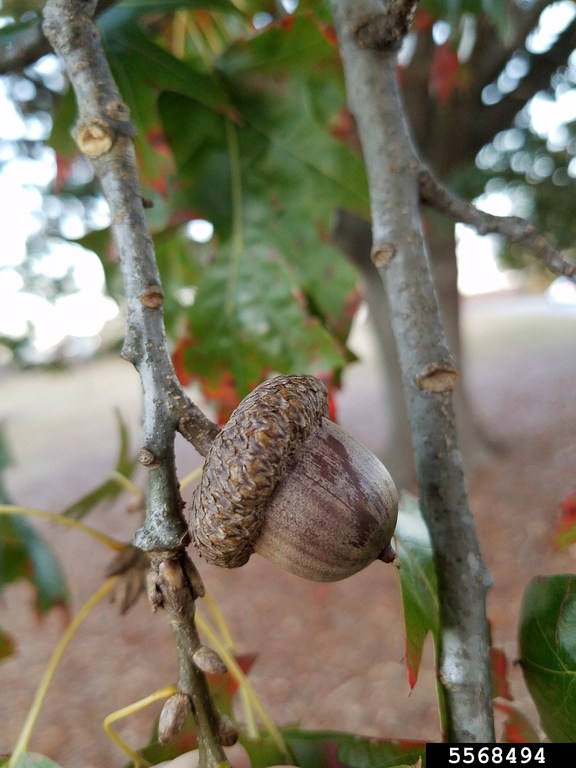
point(329, 656)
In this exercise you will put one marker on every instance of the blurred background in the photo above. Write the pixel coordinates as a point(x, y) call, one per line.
point(63, 384)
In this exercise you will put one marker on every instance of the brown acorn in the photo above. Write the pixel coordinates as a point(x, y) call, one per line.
point(283, 480)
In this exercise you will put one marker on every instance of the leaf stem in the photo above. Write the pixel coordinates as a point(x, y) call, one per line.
point(237, 221)
point(226, 635)
point(243, 682)
point(34, 711)
point(126, 483)
point(108, 541)
point(190, 477)
point(136, 706)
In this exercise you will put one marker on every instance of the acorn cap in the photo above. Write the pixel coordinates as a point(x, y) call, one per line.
point(246, 462)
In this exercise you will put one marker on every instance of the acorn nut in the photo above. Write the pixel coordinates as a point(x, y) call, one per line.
point(282, 480)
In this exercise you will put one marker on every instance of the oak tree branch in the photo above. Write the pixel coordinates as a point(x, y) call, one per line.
point(104, 133)
point(31, 45)
point(427, 370)
point(513, 228)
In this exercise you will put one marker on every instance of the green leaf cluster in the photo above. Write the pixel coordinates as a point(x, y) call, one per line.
point(241, 136)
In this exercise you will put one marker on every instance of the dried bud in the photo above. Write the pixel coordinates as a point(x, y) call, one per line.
point(196, 583)
point(174, 714)
point(208, 660)
point(227, 731)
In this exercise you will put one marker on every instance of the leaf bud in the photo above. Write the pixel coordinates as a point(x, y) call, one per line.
point(174, 714)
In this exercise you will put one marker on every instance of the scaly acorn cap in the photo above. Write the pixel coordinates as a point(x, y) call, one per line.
point(246, 462)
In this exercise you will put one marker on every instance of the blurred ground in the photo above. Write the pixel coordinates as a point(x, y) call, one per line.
point(329, 656)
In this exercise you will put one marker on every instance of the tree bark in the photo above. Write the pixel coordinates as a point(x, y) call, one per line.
point(104, 134)
point(369, 33)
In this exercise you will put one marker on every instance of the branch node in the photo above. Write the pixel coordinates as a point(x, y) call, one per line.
point(152, 298)
point(148, 459)
point(227, 732)
point(194, 578)
point(162, 531)
point(155, 596)
point(171, 573)
point(117, 110)
point(385, 31)
point(437, 377)
point(382, 254)
point(93, 137)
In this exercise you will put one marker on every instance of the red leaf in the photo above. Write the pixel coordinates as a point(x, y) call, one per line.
point(158, 170)
point(245, 661)
point(287, 23)
point(182, 216)
point(332, 410)
point(412, 673)
point(158, 141)
point(63, 168)
point(565, 531)
point(328, 32)
point(329, 380)
point(343, 129)
point(499, 665)
point(423, 21)
point(179, 360)
point(223, 394)
point(444, 71)
point(517, 728)
point(224, 686)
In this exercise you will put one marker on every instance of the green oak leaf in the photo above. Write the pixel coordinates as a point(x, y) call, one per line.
point(418, 583)
point(547, 642)
point(24, 554)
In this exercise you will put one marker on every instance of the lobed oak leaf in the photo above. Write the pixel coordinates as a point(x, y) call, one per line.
point(517, 729)
point(223, 394)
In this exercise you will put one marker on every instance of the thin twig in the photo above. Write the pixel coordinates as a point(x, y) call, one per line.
point(32, 44)
point(169, 577)
point(104, 134)
point(512, 228)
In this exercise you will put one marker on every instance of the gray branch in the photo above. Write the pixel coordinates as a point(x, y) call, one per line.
point(32, 45)
point(427, 370)
point(19, 54)
point(513, 228)
point(104, 134)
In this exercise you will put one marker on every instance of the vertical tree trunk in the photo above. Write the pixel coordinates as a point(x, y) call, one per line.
point(369, 33)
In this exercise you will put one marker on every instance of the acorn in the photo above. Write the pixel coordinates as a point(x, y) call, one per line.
point(282, 480)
